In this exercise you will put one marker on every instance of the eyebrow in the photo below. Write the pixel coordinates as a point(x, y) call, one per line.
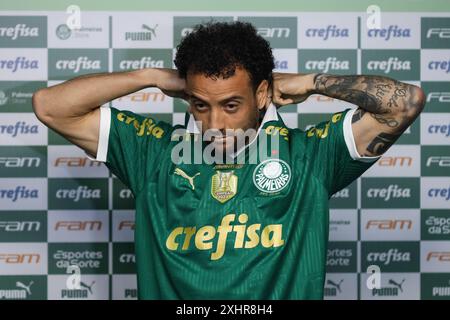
point(235, 97)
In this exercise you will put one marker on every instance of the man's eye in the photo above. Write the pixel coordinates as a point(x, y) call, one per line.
point(231, 106)
point(199, 105)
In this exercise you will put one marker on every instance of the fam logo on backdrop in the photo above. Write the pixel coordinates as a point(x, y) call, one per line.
point(435, 260)
point(71, 161)
point(23, 258)
point(435, 33)
point(435, 256)
point(436, 161)
point(150, 101)
point(395, 224)
point(398, 161)
point(281, 32)
point(87, 226)
point(123, 226)
point(437, 96)
point(23, 226)
point(21, 161)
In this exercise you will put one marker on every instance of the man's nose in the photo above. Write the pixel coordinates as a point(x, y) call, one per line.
point(216, 120)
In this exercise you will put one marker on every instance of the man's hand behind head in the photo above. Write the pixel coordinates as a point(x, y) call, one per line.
point(168, 81)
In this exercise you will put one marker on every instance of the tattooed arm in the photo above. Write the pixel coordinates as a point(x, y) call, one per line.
point(386, 107)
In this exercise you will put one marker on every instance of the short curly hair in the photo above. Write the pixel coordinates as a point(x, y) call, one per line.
point(215, 49)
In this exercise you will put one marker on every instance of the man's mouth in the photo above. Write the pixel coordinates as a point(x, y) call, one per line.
point(222, 139)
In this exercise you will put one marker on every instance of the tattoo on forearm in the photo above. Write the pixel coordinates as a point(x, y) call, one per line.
point(381, 143)
point(398, 92)
point(381, 96)
point(391, 103)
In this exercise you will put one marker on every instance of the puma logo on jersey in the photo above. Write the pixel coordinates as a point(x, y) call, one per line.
point(183, 174)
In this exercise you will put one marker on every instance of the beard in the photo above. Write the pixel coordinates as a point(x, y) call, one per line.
point(229, 141)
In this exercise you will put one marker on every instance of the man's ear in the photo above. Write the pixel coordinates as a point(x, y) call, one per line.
point(262, 93)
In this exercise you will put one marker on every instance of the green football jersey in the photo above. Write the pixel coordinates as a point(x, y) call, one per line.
point(231, 231)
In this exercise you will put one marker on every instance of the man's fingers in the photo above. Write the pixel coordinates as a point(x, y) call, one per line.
point(276, 101)
point(283, 102)
point(279, 100)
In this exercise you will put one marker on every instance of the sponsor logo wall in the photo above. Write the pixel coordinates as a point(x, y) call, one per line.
point(59, 208)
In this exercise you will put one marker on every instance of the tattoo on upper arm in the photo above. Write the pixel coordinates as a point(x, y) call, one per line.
point(358, 115)
point(381, 118)
point(381, 143)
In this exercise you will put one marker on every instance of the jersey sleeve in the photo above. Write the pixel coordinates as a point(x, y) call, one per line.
point(130, 144)
point(339, 161)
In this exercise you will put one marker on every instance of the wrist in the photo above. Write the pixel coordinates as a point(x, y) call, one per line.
point(312, 82)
